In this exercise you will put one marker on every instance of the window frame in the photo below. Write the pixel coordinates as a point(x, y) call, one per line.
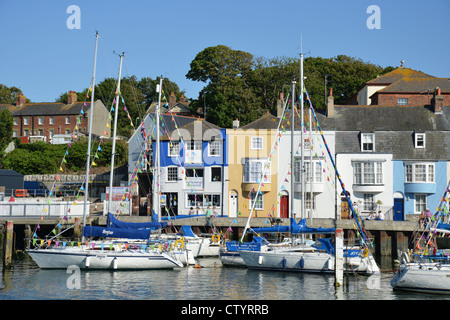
point(216, 149)
point(423, 206)
point(259, 205)
point(256, 143)
point(368, 173)
point(417, 143)
point(248, 177)
point(172, 148)
point(220, 176)
point(412, 172)
point(365, 144)
point(170, 175)
point(402, 101)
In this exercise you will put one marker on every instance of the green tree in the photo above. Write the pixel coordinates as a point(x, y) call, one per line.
point(227, 94)
point(6, 131)
point(137, 95)
point(8, 94)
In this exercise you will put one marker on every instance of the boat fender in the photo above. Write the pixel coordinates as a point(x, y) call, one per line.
point(179, 242)
point(302, 263)
point(87, 262)
point(404, 257)
point(115, 263)
point(260, 259)
point(215, 238)
point(366, 252)
point(284, 263)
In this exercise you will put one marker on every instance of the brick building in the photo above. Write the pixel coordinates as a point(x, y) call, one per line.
point(47, 119)
point(404, 87)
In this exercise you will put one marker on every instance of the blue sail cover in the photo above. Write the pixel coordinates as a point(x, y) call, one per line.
point(295, 228)
point(187, 231)
point(93, 231)
point(114, 223)
point(444, 226)
point(255, 245)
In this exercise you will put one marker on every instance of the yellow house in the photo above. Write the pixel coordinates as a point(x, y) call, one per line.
point(252, 169)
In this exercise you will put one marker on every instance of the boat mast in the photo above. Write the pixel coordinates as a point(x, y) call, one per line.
point(111, 176)
point(88, 160)
point(291, 196)
point(301, 139)
point(156, 197)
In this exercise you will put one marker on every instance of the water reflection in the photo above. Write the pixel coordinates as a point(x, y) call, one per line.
point(26, 281)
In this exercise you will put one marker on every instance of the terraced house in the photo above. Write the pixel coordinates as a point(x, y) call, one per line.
point(46, 119)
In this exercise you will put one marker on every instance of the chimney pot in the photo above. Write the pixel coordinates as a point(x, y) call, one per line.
point(71, 97)
point(437, 101)
point(236, 124)
point(330, 104)
point(20, 99)
point(172, 99)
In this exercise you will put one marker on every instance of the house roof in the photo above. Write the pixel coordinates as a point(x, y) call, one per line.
point(198, 129)
point(398, 74)
point(386, 118)
point(418, 85)
point(267, 121)
point(366, 118)
point(49, 108)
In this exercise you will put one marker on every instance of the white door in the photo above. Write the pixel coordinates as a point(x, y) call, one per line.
point(233, 206)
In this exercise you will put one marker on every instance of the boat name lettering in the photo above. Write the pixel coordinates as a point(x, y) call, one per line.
point(107, 232)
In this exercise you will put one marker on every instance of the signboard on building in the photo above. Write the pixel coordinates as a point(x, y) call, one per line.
point(118, 193)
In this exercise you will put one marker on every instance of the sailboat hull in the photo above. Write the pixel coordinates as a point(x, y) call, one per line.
point(93, 259)
point(422, 277)
point(315, 262)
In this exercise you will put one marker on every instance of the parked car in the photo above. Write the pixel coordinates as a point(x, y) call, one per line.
point(70, 189)
point(36, 188)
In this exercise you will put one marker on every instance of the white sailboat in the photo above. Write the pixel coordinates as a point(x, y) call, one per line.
point(112, 255)
point(426, 268)
point(305, 257)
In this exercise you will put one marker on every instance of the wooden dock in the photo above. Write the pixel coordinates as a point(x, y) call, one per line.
point(389, 236)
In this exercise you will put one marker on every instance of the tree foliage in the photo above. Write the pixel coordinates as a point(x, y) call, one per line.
point(44, 158)
point(138, 95)
point(8, 94)
point(6, 131)
point(241, 86)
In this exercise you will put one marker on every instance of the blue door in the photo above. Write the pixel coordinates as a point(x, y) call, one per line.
point(398, 209)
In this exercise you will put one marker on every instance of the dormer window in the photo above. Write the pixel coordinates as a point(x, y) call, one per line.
point(367, 142)
point(419, 140)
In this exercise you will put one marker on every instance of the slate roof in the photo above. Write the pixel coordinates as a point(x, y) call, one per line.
point(198, 129)
point(418, 85)
point(398, 74)
point(48, 108)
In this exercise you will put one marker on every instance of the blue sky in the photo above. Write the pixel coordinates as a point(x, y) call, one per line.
point(44, 58)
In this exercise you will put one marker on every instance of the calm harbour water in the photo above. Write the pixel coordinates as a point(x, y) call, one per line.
point(25, 281)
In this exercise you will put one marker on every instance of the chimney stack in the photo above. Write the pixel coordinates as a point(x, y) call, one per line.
point(280, 106)
point(236, 124)
point(437, 101)
point(330, 104)
point(172, 100)
point(182, 99)
point(20, 99)
point(71, 97)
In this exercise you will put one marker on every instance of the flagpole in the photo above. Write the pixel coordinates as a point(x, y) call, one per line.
point(113, 152)
point(88, 159)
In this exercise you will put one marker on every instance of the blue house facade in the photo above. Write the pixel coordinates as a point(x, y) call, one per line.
point(193, 167)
